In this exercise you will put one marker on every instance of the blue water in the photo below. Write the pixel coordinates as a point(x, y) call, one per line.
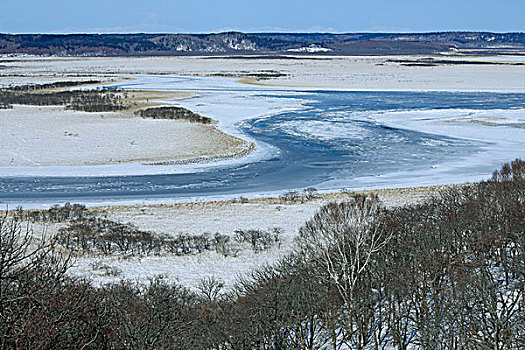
point(321, 143)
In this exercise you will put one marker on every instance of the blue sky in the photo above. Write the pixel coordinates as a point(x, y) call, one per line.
point(199, 16)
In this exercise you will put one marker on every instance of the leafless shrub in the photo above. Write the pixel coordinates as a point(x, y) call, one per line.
point(241, 200)
point(106, 269)
point(109, 237)
point(95, 100)
point(58, 213)
point(94, 235)
point(291, 196)
point(515, 171)
point(223, 245)
point(309, 193)
point(259, 239)
point(173, 112)
point(210, 288)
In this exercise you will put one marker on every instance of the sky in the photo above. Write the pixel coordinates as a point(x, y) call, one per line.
point(204, 16)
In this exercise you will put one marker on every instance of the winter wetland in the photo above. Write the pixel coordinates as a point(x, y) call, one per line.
point(280, 139)
point(335, 201)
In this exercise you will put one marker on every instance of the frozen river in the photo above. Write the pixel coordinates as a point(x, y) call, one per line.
point(323, 139)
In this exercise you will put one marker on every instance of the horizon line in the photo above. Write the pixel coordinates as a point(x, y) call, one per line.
point(264, 32)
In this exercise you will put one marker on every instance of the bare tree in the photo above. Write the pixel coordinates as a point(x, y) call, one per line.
point(27, 266)
point(343, 239)
point(210, 288)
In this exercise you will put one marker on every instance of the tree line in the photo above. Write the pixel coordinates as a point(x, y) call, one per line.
point(100, 236)
point(447, 273)
point(54, 85)
point(92, 100)
point(87, 232)
point(95, 100)
point(179, 113)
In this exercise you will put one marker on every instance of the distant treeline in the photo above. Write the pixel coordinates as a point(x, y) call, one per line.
point(92, 235)
point(173, 113)
point(87, 233)
point(93, 100)
point(89, 100)
point(259, 43)
point(55, 85)
point(447, 273)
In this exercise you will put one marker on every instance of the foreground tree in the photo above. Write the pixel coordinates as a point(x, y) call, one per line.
point(344, 241)
point(30, 271)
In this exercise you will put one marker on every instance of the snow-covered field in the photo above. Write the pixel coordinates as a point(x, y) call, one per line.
point(220, 216)
point(337, 73)
point(195, 219)
point(51, 136)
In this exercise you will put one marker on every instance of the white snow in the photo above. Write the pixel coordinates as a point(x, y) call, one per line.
point(333, 73)
point(310, 49)
point(50, 140)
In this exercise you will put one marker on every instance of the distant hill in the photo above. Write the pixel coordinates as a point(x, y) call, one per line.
point(234, 43)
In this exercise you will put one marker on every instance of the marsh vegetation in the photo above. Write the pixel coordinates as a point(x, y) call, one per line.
point(177, 113)
point(92, 100)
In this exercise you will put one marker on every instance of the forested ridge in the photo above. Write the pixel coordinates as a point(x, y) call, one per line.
point(259, 43)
